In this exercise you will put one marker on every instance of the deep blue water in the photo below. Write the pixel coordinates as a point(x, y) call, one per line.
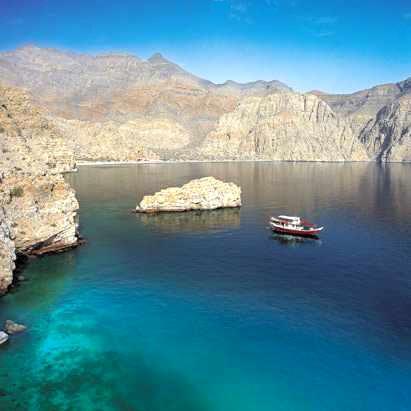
point(210, 311)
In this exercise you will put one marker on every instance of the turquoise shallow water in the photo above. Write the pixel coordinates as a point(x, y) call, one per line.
point(210, 311)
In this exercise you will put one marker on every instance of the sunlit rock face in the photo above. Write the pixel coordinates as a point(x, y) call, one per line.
point(205, 193)
point(286, 126)
point(38, 209)
point(29, 143)
point(131, 141)
point(7, 252)
point(43, 211)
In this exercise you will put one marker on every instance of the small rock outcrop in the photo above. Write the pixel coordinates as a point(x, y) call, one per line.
point(4, 337)
point(13, 328)
point(206, 193)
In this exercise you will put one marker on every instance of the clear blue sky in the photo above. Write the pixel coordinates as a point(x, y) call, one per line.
point(332, 45)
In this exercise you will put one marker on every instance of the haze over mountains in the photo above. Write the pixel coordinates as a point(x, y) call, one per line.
point(119, 107)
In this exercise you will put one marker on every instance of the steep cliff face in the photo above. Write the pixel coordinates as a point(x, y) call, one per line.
point(7, 252)
point(37, 207)
point(28, 141)
point(286, 126)
point(378, 116)
point(43, 212)
point(388, 136)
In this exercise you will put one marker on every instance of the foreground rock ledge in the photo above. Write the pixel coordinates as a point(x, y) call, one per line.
point(206, 193)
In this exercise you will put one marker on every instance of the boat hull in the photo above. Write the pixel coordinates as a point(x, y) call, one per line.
point(302, 233)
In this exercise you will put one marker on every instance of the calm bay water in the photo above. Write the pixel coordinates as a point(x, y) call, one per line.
point(210, 311)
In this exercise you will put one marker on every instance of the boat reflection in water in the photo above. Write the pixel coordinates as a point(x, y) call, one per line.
point(296, 241)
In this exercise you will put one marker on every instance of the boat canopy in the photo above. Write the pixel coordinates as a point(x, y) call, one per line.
point(295, 220)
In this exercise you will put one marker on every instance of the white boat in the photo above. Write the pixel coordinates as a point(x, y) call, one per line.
point(285, 224)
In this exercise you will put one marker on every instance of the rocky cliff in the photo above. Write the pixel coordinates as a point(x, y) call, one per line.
point(38, 209)
point(7, 251)
point(388, 136)
point(379, 117)
point(29, 143)
point(43, 212)
point(286, 126)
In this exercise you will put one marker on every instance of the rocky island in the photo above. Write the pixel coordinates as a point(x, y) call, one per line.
point(206, 193)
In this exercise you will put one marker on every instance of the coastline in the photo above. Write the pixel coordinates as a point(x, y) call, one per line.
point(133, 162)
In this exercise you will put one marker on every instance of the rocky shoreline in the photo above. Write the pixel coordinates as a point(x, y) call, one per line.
point(10, 328)
point(124, 163)
point(38, 208)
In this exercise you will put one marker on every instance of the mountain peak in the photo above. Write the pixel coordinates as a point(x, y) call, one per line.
point(157, 58)
point(28, 46)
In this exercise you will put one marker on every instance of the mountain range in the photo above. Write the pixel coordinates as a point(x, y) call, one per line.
point(120, 107)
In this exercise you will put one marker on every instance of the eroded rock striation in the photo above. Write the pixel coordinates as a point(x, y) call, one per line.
point(286, 126)
point(388, 136)
point(379, 118)
point(206, 193)
point(38, 209)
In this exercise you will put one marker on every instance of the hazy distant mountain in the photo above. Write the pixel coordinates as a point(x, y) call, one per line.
point(104, 90)
point(73, 84)
point(380, 117)
point(366, 102)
